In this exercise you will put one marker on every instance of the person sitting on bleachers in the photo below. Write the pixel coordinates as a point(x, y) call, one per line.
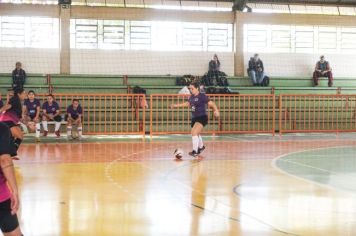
point(74, 117)
point(51, 112)
point(18, 77)
point(256, 70)
point(214, 69)
point(31, 112)
point(214, 64)
point(322, 69)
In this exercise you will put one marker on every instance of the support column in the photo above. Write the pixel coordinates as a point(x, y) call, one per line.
point(239, 45)
point(64, 39)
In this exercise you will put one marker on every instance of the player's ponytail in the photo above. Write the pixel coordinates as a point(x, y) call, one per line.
point(18, 91)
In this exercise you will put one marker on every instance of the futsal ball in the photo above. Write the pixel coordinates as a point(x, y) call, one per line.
point(75, 134)
point(178, 153)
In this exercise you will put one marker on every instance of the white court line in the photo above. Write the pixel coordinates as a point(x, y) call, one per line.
point(274, 165)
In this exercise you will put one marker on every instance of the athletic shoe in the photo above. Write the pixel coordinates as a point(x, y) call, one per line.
point(193, 153)
point(45, 133)
point(57, 134)
point(200, 150)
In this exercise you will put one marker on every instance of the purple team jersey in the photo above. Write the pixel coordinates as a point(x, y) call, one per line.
point(74, 112)
point(32, 106)
point(50, 109)
point(198, 105)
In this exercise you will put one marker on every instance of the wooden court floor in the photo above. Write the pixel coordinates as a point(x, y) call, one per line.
point(242, 185)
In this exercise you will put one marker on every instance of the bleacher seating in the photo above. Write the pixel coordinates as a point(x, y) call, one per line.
point(80, 84)
point(90, 84)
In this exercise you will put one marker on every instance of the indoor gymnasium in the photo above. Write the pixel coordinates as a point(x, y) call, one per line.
point(178, 117)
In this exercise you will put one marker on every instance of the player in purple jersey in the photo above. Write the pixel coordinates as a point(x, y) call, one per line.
point(31, 112)
point(198, 102)
point(74, 117)
point(51, 111)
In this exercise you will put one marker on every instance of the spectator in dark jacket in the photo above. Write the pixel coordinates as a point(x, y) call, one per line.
point(214, 65)
point(256, 70)
point(322, 69)
point(18, 77)
point(214, 74)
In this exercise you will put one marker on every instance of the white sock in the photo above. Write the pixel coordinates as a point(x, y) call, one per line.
point(80, 131)
point(57, 126)
point(200, 142)
point(38, 130)
point(45, 125)
point(69, 130)
point(195, 140)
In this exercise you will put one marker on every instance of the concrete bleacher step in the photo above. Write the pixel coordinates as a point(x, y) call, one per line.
point(159, 80)
point(86, 80)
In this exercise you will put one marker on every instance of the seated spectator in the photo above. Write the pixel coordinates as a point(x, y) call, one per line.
point(256, 70)
point(214, 64)
point(74, 117)
point(51, 112)
point(322, 69)
point(31, 112)
point(18, 77)
point(214, 70)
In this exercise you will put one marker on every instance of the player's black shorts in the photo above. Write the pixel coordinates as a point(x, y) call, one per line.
point(9, 124)
point(74, 117)
point(8, 222)
point(200, 119)
point(6, 145)
point(32, 117)
point(57, 118)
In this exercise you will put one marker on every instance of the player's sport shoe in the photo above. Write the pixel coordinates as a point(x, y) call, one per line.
point(193, 153)
point(200, 150)
point(45, 133)
point(57, 133)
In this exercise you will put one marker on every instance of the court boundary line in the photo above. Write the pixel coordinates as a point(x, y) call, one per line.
point(189, 163)
point(275, 167)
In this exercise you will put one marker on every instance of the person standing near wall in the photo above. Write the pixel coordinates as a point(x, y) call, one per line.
point(18, 77)
point(322, 69)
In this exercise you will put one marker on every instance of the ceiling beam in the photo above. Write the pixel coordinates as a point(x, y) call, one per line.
point(294, 2)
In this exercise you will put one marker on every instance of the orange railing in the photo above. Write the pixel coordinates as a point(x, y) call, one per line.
point(124, 113)
point(317, 113)
point(107, 113)
point(238, 114)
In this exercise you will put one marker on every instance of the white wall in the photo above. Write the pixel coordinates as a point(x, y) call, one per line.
point(300, 64)
point(146, 62)
point(33, 60)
